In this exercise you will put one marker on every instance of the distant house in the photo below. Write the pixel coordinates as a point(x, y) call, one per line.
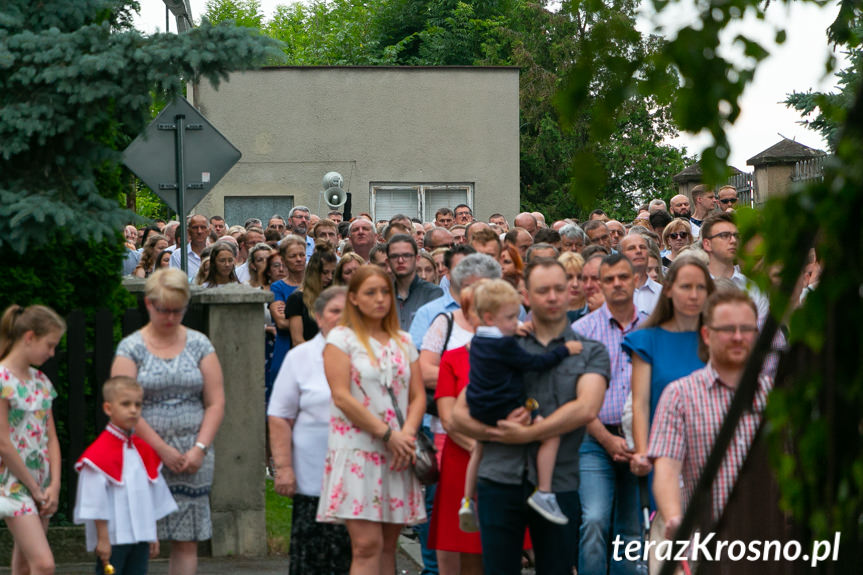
point(405, 139)
point(774, 167)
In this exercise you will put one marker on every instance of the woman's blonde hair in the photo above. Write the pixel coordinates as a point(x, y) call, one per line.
point(353, 317)
point(676, 225)
point(428, 257)
point(17, 321)
point(168, 286)
point(288, 241)
point(492, 294)
point(572, 262)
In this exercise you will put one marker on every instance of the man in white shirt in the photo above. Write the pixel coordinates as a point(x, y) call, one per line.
point(198, 229)
point(634, 247)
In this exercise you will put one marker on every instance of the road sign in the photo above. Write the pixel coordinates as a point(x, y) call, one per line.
point(207, 155)
point(181, 157)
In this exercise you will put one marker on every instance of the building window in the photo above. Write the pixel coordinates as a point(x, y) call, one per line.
point(240, 208)
point(416, 200)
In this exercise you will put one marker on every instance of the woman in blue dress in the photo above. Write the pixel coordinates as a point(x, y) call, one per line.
point(293, 251)
point(666, 347)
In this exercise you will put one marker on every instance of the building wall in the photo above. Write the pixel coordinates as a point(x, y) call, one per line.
point(773, 180)
point(371, 124)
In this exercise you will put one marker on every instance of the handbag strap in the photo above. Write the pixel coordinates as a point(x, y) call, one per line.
point(396, 407)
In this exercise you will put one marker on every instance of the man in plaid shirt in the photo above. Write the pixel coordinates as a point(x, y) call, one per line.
point(692, 409)
point(607, 488)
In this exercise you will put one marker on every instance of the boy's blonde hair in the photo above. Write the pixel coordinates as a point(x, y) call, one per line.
point(116, 383)
point(491, 295)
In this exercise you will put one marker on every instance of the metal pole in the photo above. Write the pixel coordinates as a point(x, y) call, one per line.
point(181, 189)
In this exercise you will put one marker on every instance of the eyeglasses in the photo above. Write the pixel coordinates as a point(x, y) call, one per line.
point(728, 200)
point(459, 214)
point(725, 236)
point(170, 310)
point(405, 257)
point(733, 329)
point(678, 235)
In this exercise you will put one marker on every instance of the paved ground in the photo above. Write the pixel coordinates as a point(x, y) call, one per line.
point(405, 565)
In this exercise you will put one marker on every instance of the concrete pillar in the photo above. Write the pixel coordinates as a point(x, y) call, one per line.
point(234, 318)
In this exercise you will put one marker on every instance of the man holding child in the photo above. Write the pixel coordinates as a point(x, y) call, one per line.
point(569, 396)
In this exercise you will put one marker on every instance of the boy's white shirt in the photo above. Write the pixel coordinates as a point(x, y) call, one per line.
point(131, 508)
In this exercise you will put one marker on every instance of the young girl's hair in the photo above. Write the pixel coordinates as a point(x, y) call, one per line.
point(492, 294)
point(116, 383)
point(17, 321)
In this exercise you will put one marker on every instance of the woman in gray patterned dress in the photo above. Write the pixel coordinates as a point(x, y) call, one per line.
point(184, 403)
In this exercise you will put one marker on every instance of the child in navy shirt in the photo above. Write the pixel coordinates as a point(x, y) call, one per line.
point(496, 388)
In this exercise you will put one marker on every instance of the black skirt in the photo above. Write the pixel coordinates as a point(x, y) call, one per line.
point(320, 548)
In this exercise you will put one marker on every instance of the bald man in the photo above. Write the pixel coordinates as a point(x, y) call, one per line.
point(527, 221)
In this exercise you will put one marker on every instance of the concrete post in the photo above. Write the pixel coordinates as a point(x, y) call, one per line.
point(235, 324)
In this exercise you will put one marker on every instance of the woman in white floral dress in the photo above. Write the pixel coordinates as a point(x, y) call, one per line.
point(368, 484)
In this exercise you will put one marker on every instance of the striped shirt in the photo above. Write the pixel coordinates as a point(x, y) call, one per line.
point(687, 421)
point(602, 327)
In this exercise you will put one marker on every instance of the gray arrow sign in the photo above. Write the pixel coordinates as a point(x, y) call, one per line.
point(206, 155)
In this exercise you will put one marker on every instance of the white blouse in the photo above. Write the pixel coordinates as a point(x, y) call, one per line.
point(301, 393)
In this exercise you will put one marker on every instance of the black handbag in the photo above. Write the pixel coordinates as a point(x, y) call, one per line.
point(425, 468)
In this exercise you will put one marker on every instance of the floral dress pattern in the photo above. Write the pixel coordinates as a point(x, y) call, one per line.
point(29, 406)
point(358, 482)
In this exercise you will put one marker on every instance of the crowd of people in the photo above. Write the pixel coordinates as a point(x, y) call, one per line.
point(555, 366)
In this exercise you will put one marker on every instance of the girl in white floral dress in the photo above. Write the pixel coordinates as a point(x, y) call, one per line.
point(29, 451)
point(368, 484)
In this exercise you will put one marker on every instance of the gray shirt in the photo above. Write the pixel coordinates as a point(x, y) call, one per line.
point(505, 463)
point(420, 293)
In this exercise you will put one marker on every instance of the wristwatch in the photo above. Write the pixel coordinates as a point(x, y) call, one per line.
point(202, 447)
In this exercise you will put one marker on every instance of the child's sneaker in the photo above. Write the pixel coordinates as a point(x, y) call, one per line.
point(546, 505)
point(467, 519)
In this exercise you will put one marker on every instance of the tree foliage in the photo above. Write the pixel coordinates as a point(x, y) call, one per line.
point(813, 417)
point(544, 42)
point(76, 83)
point(825, 112)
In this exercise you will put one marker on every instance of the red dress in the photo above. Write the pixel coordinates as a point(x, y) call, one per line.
point(444, 532)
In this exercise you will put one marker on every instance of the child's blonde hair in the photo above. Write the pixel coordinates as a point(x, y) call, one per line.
point(116, 383)
point(17, 321)
point(491, 295)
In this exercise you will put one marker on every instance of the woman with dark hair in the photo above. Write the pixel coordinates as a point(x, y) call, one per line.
point(319, 276)
point(293, 253)
point(666, 347)
point(221, 272)
point(371, 365)
point(155, 243)
point(163, 260)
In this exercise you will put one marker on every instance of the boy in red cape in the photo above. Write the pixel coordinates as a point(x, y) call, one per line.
point(121, 492)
